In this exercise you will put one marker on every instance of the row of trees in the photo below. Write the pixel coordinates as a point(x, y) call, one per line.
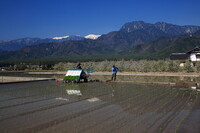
point(134, 66)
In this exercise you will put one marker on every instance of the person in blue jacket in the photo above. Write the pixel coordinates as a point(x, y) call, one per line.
point(114, 72)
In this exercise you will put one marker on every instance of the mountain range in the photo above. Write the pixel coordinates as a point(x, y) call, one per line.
point(14, 45)
point(135, 38)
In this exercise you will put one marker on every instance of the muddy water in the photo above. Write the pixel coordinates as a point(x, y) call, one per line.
point(98, 107)
point(148, 79)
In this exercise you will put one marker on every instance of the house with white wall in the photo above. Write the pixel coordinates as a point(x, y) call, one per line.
point(193, 56)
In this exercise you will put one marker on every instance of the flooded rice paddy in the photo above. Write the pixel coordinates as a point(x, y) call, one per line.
point(103, 107)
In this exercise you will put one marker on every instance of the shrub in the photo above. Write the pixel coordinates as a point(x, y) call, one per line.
point(134, 66)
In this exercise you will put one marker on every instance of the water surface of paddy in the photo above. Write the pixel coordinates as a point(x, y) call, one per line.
point(98, 107)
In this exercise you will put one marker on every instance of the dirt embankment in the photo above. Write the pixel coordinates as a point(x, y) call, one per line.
point(9, 79)
point(131, 73)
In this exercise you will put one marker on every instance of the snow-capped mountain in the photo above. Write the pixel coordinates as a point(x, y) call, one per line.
point(65, 38)
point(62, 37)
point(77, 37)
point(92, 36)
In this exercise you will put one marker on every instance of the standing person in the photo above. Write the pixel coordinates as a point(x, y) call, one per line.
point(114, 72)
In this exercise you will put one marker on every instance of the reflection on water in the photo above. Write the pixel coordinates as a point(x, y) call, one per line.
point(135, 98)
point(140, 98)
point(107, 106)
point(74, 92)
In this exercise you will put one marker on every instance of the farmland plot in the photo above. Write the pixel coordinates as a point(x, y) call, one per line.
point(98, 107)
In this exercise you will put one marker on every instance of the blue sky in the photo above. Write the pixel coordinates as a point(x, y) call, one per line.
point(50, 18)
